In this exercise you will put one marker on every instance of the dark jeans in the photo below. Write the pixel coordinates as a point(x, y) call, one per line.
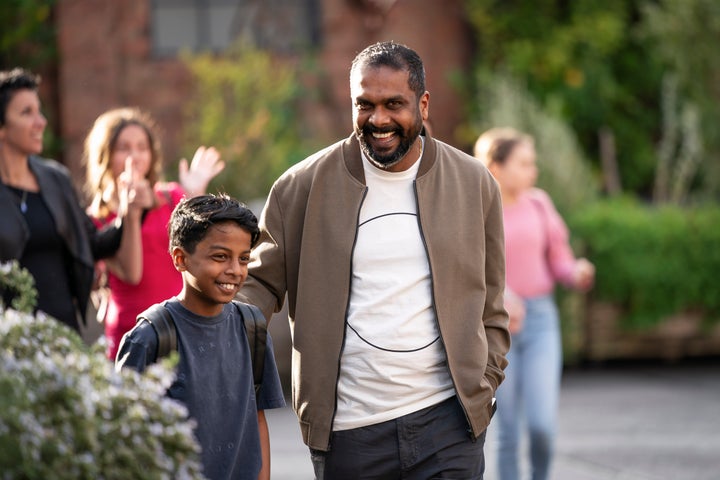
point(431, 443)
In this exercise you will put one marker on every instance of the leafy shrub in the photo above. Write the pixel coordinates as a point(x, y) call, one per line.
point(66, 414)
point(653, 261)
point(563, 170)
point(19, 285)
point(245, 103)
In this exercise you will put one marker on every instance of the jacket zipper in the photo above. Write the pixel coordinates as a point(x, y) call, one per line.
point(347, 307)
point(437, 321)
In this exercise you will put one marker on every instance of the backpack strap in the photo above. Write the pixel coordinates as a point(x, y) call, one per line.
point(162, 322)
point(256, 329)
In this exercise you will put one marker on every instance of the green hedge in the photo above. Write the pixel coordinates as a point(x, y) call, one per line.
point(653, 261)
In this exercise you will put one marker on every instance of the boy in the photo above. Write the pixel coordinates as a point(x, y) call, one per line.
point(210, 242)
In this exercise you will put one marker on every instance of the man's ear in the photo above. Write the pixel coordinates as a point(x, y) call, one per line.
point(179, 257)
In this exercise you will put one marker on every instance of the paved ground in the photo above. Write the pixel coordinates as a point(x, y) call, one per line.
point(617, 422)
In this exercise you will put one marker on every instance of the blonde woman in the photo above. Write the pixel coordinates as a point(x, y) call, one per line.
point(537, 255)
point(127, 139)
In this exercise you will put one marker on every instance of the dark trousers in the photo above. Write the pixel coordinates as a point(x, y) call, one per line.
point(431, 443)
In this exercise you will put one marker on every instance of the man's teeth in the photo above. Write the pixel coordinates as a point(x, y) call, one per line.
point(382, 135)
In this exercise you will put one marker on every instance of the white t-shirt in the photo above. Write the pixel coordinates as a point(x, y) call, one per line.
point(393, 362)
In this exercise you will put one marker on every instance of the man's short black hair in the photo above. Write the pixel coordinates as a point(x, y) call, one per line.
point(396, 56)
point(192, 218)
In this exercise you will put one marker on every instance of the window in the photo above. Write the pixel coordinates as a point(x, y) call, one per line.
point(213, 25)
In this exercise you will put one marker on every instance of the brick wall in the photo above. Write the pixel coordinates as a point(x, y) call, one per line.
point(433, 28)
point(106, 62)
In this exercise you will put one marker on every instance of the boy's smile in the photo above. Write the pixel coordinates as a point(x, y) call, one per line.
point(215, 271)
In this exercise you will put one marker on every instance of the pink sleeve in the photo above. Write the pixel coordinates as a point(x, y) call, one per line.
point(560, 255)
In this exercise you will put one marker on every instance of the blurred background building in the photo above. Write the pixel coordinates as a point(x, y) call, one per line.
point(126, 53)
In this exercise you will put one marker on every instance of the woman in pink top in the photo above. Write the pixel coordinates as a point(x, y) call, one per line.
point(126, 137)
point(537, 256)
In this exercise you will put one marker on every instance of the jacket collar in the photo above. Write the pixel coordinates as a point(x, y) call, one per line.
point(353, 159)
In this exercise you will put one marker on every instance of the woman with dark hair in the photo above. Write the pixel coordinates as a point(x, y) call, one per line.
point(43, 225)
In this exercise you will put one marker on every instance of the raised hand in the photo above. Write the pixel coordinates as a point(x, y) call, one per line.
point(205, 165)
point(134, 190)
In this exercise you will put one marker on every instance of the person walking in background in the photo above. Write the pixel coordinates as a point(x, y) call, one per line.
point(537, 254)
point(43, 225)
point(210, 242)
point(389, 245)
point(129, 136)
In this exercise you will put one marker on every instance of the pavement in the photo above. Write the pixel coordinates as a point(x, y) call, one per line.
point(618, 421)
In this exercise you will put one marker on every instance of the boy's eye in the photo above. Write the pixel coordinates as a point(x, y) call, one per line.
point(245, 260)
point(221, 257)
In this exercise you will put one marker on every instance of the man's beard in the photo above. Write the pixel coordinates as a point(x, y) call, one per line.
point(407, 138)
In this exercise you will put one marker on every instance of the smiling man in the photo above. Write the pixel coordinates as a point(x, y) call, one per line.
point(389, 246)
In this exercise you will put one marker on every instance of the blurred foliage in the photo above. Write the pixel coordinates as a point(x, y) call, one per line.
point(28, 36)
point(564, 172)
point(28, 40)
point(652, 261)
point(684, 34)
point(680, 150)
point(17, 286)
point(585, 64)
point(246, 104)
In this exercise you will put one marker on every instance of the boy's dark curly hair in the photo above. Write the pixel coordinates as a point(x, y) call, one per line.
point(193, 217)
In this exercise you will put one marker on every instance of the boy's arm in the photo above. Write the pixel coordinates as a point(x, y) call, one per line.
point(264, 446)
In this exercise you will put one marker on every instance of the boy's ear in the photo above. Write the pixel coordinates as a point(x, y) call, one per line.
point(179, 257)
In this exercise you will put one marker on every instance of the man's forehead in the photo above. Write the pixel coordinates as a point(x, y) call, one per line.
point(382, 76)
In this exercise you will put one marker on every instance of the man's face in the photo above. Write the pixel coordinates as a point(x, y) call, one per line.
point(387, 116)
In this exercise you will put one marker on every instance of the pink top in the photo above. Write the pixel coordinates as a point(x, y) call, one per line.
point(537, 250)
point(160, 280)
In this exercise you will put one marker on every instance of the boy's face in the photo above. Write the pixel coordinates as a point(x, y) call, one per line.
point(216, 270)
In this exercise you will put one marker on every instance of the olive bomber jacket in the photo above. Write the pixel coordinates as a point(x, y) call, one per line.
point(308, 230)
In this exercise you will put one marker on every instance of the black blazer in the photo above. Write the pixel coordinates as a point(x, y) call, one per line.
point(83, 240)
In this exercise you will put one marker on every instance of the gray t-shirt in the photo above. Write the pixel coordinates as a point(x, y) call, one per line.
point(215, 382)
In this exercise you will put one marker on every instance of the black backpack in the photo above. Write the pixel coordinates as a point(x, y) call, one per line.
point(255, 326)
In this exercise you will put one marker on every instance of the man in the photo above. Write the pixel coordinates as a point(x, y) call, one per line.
point(389, 245)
